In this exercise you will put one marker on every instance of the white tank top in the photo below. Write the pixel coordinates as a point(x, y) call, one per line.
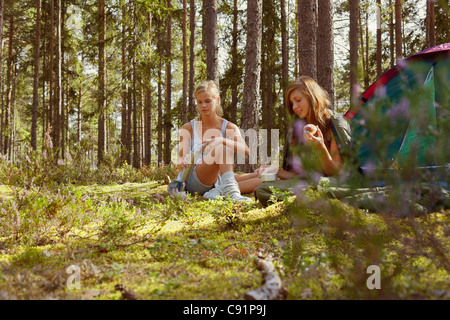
point(196, 141)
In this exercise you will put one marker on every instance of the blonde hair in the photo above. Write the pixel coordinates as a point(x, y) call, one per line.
point(317, 96)
point(211, 87)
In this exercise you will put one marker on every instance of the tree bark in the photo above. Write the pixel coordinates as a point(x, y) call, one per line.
point(191, 59)
point(234, 63)
point(398, 30)
point(44, 113)
point(123, 135)
point(353, 34)
point(136, 151)
point(135, 109)
point(361, 42)
point(212, 49)
point(307, 38)
point(184, 107)
point(160, 46)
point(160, 115)
point(284, 68)
point(148, 102)
point(250, 104)
point(167, 113)
point(101, 84)
point(379, 44)
point(51, 68)
point(325, 47)
point(430, 25)
point(2, 9)
point(36, 76)
point(7, 137)
point(57, 107)
point(391, 34)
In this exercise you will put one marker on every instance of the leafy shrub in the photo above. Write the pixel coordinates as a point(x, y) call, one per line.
point(38, 215)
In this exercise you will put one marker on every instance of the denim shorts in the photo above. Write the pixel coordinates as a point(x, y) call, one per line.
point(194, 185)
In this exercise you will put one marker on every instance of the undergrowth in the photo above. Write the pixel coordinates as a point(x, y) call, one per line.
point(134, 234)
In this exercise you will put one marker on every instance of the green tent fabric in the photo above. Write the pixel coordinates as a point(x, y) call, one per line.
point(418, 142)
point(413, 92)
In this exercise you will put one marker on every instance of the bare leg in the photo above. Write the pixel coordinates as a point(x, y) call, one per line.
point(212, 164)
point(245, 176)
point(249, 185)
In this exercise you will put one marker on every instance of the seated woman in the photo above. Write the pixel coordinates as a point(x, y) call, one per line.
point(325, 131)
point(217, 140)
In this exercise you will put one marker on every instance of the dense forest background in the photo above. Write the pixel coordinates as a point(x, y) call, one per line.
point(111, 81)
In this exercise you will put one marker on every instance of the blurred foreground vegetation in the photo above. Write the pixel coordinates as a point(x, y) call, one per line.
point(119, 226)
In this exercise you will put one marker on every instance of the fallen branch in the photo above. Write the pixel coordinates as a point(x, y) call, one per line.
point(272, 288)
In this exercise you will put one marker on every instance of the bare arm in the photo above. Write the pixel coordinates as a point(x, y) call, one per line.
point(331, 160)
point(284, 174)
point(232, 141)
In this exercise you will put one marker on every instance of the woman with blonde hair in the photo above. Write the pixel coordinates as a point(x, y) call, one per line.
point(216, 140)
point(327, 132)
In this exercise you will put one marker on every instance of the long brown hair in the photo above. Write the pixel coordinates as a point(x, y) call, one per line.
point(318, 99)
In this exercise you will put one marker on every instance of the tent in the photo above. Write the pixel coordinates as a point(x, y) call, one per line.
point(404, 115)
point(400, 131)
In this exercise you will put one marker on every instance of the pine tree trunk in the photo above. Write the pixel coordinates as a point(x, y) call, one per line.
point(167, 113)
point(191, 59)
point(284, 67)
point(101, 84)
point(184, 107)
point(80, 92)
point(130, 112)
point(234, 63)
point(160, 115)
point(62, 91)
point(135, 113)
point(379, 44)
point(36, 76)
point(12, 131)
point(353, 35)
point(296, 38)
point(307, 38)
point(430, 27)
point(136, 151)
point(123, 134)
point(57, 107)
point(366, 71)
point(7, 137)
point(44, 113)
point(391, 34)
point(148, 102)
point(361, 42)
point(2, 9)
point(212, 49)
point(160, 47)
point(398, 30)
point(325, 47)
point(51, 86)
point(250, 104)
point(267, 74)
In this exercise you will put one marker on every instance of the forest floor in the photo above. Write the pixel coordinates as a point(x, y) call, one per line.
point(80, 242)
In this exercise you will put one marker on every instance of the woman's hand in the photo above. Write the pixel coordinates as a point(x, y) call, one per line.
point(266, 169)
point(186, 161)
point(316, 140)
point(211, 144)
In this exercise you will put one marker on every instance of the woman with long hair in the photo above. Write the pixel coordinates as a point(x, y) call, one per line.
point(307, 100)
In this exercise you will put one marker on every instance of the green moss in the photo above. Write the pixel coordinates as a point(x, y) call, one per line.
point(133, 234)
